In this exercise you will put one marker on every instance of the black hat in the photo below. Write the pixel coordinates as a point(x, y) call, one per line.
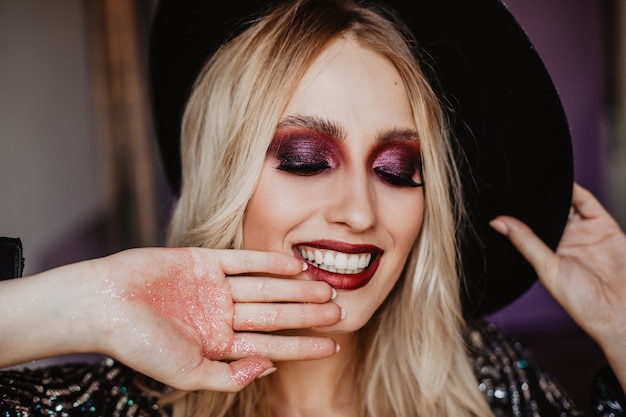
point(514, 147)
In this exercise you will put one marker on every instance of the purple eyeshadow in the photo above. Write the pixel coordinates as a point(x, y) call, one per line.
point(398, 162)
point(303, 152)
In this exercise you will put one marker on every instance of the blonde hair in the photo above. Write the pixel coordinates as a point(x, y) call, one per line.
point(414, 358)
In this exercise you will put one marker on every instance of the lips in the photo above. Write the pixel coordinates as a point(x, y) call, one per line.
point(343, 266)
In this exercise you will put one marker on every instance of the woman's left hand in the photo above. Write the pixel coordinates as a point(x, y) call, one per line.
point(587, 273)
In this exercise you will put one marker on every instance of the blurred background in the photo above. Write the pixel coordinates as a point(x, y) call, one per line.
point(80, 175)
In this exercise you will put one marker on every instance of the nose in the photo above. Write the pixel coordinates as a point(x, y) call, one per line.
point(353, 203)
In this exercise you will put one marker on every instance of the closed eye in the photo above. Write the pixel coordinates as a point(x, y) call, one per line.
point(399, 180)
point(303, 168)
point(304, 152)
point(398, 163)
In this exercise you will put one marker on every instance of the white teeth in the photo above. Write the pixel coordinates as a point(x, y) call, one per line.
point(338, 262)
point(319, 257)
point(341, 261)
point(353, 262)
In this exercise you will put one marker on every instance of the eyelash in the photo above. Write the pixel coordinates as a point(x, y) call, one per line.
point(311, 169)
point(303, 169)
point(304, 155)
point(397, 180)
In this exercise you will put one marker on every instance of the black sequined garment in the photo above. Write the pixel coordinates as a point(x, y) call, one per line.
point(512, 383)
point(507, 375)
point(103, 388)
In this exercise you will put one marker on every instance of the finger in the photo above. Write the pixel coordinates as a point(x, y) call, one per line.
point(225, 377)
point(282, 348)
point(270, 317)
point(540, 256)
point(584, 203)
point(257, 289)
point(235, 262)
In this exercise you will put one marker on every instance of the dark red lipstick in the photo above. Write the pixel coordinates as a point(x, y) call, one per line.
point(339, 280)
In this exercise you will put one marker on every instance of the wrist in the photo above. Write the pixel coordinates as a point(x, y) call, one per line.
point(39, 318)
point(66, 316)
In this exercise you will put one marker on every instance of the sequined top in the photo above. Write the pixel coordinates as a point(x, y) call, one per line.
point(507, 375)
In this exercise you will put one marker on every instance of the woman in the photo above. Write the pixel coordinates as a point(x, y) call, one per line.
point(334, 170)
point(342, 178)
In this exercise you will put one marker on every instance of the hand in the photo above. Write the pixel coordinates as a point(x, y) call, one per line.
point(192, 318)
point(586, 274)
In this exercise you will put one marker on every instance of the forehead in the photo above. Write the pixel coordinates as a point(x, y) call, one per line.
point(355, 86)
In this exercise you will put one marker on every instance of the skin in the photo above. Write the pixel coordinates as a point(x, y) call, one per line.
point(131, 306)
point(586, 274)
point(362, 92)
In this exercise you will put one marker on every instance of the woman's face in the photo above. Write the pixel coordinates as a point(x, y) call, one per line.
point(339, 187)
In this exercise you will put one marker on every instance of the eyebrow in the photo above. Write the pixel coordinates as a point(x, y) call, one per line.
point(335, 130)
point(318, 124)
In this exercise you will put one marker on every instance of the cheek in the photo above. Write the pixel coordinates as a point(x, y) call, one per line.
point(276, 207)
point(402, 218)
point(404, 215)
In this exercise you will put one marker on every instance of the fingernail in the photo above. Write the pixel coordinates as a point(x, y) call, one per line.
point(334, 294)
point(305, 266)
point(337, 348)
point(267, 372)
point(343, 313)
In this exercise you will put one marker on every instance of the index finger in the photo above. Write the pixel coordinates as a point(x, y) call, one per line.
point(240, 261)
point(536, 252)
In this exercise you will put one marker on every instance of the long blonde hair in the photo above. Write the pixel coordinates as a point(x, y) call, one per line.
point(413, 354)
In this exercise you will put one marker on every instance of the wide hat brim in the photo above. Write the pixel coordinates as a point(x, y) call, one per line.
point(514, 147)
